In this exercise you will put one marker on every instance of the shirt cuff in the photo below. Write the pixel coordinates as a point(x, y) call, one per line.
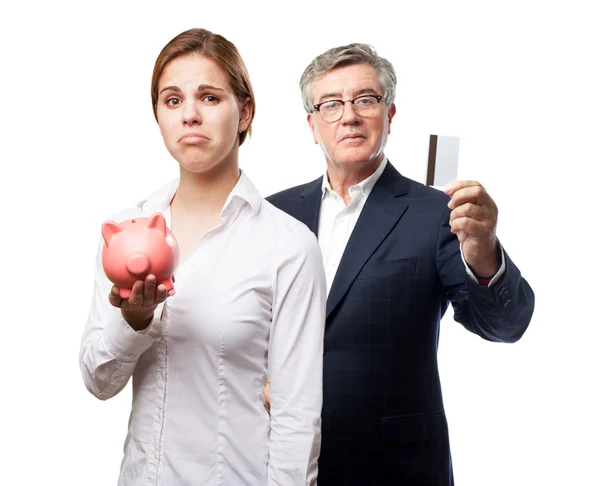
point(486, 282)
point(123, 342)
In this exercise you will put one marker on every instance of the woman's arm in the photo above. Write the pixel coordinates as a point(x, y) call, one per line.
point(296, 361)
point(110, 347)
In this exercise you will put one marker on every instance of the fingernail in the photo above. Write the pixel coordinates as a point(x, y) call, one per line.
point(115, 290)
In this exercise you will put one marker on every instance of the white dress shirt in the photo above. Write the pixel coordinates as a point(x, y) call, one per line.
point(337, 222)
point(250, 301)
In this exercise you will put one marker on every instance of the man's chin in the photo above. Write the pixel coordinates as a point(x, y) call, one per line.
point(354, 158)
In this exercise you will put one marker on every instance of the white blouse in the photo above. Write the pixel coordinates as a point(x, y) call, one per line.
point(250, 302)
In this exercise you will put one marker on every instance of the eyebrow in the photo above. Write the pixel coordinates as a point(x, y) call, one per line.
point(201, 87)
point(337, 96)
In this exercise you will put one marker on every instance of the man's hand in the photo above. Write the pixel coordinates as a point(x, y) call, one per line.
point(267, 395)
point(473, 219)
point(139, 308)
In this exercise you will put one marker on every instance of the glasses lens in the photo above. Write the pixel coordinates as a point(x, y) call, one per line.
point(366, 105)
point(331, 110)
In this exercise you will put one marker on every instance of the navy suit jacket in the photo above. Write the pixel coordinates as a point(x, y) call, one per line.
point(383, 415)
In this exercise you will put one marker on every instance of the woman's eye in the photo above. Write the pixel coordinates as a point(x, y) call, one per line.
point(172, 101)
point(210, 99)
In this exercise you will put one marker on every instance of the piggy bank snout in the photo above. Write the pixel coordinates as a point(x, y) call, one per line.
point(138, 264)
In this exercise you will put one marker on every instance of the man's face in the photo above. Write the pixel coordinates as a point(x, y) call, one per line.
point(353, 139)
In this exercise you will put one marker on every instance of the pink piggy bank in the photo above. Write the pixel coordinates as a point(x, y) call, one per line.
point(136, 248)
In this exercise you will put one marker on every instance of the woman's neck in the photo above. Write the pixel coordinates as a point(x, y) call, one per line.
point(207, 192)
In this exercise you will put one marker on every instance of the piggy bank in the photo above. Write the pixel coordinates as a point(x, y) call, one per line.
point(136, 248)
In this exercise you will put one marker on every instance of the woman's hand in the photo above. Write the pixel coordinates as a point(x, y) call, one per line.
point(139, 308)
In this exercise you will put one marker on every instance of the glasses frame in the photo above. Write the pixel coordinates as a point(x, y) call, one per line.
point(317, 107)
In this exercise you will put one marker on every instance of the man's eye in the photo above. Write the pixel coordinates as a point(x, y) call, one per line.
point(366, 101)
point(330, 105)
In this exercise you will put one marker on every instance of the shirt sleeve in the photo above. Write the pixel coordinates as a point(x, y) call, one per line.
point(110, 348)
point(492, 280)
point(295, 362)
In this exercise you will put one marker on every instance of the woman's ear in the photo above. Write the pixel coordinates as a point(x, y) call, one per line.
point(245, 115)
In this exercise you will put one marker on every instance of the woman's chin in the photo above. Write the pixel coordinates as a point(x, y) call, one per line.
point(203, 167)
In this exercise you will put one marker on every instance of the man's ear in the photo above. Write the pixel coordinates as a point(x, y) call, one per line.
point(311, 124)
point(390, 114)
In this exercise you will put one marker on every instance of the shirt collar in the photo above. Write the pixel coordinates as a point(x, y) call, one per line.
point(243, 192)
point(363, 187)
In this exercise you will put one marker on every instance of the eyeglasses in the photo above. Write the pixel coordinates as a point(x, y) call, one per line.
point(332, 110)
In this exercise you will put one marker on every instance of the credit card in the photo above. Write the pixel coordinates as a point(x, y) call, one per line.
point(442, 167)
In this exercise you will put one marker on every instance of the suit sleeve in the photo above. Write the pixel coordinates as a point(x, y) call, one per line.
point(500, 312)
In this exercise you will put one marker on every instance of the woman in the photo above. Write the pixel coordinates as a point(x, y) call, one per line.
point(250, 298)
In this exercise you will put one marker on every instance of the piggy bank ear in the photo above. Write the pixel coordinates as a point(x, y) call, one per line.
point(158, 221)
point(110, 229)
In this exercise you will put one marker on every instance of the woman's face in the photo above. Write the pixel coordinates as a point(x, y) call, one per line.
point(199, 117)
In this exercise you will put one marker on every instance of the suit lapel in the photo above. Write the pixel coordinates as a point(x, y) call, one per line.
point(307, 209)
point(381, 212)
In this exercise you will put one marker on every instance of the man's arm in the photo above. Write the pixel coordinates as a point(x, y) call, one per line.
point(500, 312)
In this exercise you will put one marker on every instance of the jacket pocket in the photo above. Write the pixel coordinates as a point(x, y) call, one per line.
point(388, 268)
point(406, 429)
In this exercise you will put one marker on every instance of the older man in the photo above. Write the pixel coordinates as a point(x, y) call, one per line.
point(396, 254)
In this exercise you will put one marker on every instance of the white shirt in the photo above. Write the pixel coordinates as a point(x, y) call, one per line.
point(250, 301)
point(337, 222)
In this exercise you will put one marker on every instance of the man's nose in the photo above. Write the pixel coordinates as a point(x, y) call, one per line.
point(349, 115)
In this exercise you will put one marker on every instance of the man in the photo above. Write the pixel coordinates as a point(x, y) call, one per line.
point(396, 254)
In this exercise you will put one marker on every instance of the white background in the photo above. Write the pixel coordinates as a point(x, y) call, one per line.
point(517, 81)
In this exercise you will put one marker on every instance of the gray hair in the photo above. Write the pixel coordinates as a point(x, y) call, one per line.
point(347, 56)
